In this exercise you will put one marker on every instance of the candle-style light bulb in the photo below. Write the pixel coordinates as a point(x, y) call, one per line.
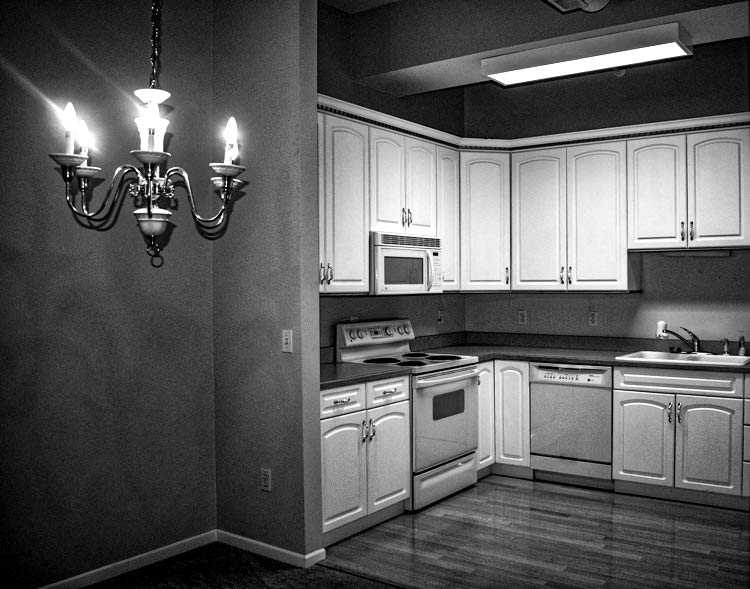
point(69, 123)
point(231, 149)
point(84, 137)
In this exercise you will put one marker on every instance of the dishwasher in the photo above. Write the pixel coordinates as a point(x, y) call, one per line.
point(571, 419)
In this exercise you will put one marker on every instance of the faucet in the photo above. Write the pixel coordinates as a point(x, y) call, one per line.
point(663, 333)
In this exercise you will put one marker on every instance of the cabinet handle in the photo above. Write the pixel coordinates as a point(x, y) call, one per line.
point(322, 273)
point(669, 412)
point(372, 429)
point(691, 233)
point(682, 230)
point(329, 274)
point(387, 392)
point(410, 219)
point(364, 431)
point(507, 275)
point(342, 401)
point(679, 412)
point(562, 272)
point(403, 216)
point(570, 271)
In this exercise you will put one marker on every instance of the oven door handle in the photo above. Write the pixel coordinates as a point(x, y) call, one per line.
point(423, 381)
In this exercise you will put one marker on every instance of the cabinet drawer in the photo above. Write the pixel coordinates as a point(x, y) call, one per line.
point(342, 400)
point(746, 450)
point(685, 382)
point(747, 411)
point(383, 392)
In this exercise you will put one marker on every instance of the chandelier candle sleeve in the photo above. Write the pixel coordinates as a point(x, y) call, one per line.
point(84, 137)
point(69, 122)
point(231, 149)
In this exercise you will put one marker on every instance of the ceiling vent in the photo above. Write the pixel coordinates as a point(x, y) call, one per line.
point(585, 5)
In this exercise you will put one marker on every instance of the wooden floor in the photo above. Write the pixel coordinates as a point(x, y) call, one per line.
point(515, 533)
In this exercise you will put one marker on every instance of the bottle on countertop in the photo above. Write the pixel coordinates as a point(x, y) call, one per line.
point(726, 347)
point(741, 351)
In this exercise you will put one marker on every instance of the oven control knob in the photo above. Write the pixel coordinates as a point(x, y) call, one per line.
point(352, 334)
point(389, 331)
point(400, 330)
point(406, 329)
point(360, 333)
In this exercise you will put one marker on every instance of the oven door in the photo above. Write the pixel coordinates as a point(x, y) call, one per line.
point(401, 270)
point(444, 416)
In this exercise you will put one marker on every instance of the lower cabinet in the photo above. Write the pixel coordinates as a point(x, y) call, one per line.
point(685, 441)
point(365, 461)
point(512, 426)
point(486, 441)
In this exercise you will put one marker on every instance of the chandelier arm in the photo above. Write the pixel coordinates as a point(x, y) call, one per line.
point(207, 223)
point(116, 184)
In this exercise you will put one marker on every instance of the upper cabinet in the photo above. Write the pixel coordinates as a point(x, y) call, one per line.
point(344, 205)
point(485, 221)
point(403, 175)
point(569, 219)
point(448, 190)
point(689, 191)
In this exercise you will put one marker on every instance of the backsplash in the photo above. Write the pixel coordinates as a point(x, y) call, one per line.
point(708, 295)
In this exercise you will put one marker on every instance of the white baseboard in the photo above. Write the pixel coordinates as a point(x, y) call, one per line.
point(130, 564)
point(136, 562)
point(281, 554)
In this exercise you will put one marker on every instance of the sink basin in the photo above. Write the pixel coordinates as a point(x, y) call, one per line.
point(692, 359)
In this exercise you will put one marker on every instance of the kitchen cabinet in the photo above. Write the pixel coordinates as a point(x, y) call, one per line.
point(485, 221)
point(689, 190)
point(512, 423)
point(449, 215)
point(344, 205)
point(674, 439)
point(403, 176)
point(569, 220)
point(486, 440)
point(365, 453)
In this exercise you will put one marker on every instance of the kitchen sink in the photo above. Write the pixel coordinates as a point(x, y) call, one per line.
point(695, 358)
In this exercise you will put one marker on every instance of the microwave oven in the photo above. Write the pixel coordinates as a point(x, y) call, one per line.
point(404, 264)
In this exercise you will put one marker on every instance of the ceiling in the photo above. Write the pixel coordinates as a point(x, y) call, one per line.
point(712, 23)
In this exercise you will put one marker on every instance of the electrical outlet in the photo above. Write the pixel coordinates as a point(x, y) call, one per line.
point(523, 318)
point(265, 479)
point(593, 318)
point(287, 341)
point(441, 316)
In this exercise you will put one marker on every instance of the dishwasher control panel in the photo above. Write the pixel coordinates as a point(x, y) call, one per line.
point(598, 376)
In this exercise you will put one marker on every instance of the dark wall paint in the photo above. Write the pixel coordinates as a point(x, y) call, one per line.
point(713, 81)
point(265, 277)
point(106, 407)
point(440, 110)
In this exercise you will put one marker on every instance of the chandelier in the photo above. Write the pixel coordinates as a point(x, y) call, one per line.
point(153, 194)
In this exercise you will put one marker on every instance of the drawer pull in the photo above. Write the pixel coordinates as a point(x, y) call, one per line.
point(387, 392)
point(342, 401)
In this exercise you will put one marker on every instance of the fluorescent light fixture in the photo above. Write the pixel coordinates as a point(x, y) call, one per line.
point(587, 55)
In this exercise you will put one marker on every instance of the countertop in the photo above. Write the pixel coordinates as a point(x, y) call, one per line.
point(342, 374)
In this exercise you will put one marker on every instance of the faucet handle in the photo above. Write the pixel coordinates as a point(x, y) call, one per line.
point(696, 340)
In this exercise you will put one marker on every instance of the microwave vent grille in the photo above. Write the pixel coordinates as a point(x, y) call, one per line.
point(410, 240)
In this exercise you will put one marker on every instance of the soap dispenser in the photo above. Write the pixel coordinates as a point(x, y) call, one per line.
point(741, 351)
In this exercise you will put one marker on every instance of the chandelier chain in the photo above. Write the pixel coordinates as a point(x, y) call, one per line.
point(155, 43)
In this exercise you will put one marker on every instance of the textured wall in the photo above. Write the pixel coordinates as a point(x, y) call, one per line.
point(265, 277)
point(106, 406)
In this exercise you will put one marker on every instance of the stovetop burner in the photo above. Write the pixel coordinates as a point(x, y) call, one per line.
point(415, 355)
point(380, 360)
point(411, 363)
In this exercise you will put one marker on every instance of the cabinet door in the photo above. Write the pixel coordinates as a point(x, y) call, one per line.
point(485, 221)
point(449, 216)
point(597, 217)
point(345, 207)
point(344, 469)
point(421, 191)
point(718, 165)
point(708, 454)
point(388, 456)
point(486, 445)
point(643, 437)
point(657, 193)
point(538, 220)
point(512, 413)
point(322, 201)
point(387, 197)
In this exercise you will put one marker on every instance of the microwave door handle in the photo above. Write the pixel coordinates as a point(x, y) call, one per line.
point(429, 271)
